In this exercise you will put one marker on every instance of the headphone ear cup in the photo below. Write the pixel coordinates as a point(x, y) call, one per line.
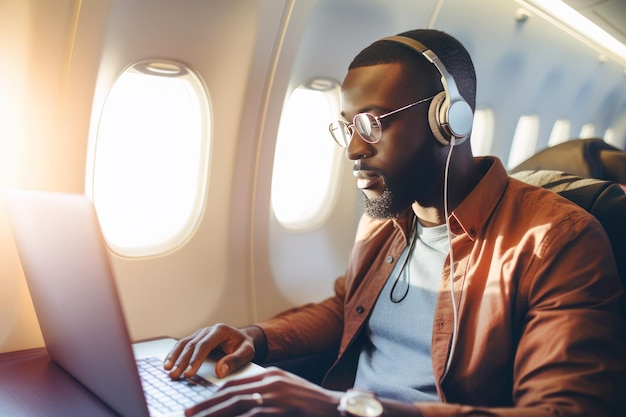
point(437, 112)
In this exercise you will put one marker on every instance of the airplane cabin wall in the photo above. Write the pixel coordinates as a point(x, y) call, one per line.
point(531, 67)
point(180, 291)
point(241, 265)
point(229, 44)
point(35, 152)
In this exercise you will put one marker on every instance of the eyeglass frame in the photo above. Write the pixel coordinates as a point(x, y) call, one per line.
point(352, 126)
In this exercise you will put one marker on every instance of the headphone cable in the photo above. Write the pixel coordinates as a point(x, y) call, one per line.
point(454, 306)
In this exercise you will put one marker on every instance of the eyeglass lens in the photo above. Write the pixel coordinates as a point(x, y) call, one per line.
point(342, 134)
point(365, 124)
point(368, 127)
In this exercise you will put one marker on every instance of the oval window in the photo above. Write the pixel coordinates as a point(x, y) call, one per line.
point(150, 158)
point(307, 161)
point(524, 140)
point(560, 132)
point(482, 131)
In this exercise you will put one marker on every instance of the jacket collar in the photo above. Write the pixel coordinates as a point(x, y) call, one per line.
point(471, 216)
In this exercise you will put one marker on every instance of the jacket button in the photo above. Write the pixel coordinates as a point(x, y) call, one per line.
point(360, 309)
point(389, 259)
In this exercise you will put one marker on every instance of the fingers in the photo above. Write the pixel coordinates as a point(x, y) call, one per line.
point(235, 360)
point(174, 354)
point(189, 349)
point(267, 374)
point(196, 351)
point(241, 397)
point(189, 353)
point(234, 405)
point(272, 392)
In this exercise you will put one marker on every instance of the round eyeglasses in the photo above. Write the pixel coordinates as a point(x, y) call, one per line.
point(367, 125)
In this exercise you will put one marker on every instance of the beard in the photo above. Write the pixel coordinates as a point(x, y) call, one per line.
point(396, 199)
point(379, 207)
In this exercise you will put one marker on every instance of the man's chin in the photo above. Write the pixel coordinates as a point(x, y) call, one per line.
point(381, 207)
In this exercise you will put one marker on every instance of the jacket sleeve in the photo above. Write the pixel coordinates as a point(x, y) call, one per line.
point(311, 328)
point(318, 327)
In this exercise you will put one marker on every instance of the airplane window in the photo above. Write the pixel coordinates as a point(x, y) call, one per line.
point(150, 158)
point(587, 131)
point(482, 131)
point(610, 137)
point(560, 132)
point(524, 140)
point(307, 161)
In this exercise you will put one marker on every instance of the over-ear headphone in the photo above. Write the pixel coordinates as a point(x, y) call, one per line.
point(449, 115)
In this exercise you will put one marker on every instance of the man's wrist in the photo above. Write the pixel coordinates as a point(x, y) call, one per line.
point(360, 403)
point(259, 340)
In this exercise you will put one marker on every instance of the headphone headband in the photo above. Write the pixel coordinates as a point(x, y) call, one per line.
point(459, 117)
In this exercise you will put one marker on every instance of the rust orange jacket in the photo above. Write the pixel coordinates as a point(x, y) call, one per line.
point(536, 285)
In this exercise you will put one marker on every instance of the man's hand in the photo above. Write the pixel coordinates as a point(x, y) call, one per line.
point(273, 392)
point(188, 354)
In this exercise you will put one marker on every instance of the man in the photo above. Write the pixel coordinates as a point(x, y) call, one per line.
point(529, 327)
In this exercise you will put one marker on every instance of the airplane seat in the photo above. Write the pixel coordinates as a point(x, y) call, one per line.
point(606, 200)
point(587, 158)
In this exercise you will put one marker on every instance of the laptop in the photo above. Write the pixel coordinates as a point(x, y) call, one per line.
point(71, 283)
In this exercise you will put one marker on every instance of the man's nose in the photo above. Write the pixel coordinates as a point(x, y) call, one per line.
point(358, 148)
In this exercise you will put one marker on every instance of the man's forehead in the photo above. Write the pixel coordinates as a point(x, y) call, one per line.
point(373, 81)
point(382, 85)
point(374, 75)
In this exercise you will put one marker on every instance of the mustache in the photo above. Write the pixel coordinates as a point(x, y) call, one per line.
point(361, 166)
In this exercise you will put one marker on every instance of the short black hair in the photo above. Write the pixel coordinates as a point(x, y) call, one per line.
point(450, 51)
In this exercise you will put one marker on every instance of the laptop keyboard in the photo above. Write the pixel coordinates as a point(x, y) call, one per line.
point(166, 396)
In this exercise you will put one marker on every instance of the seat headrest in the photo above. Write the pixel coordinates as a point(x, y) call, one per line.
point(587, 158)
